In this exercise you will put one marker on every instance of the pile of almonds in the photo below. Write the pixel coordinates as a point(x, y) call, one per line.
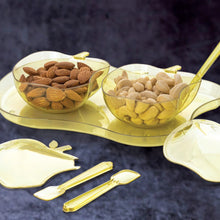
point(145, 101)
point(56, 85)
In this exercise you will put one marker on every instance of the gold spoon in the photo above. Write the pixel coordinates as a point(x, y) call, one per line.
point(52, 192)
point(210, 60)
point(121, 178)
point(188, 93)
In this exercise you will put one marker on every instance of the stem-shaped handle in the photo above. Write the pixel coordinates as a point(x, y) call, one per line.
point(87, 197)
point(87, 175)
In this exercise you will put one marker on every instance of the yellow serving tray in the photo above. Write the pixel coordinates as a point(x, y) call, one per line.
point(95, 118)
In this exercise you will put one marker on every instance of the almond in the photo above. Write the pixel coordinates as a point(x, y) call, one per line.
point(42, 80)
point(23, 87)
point(22, 78)
point(58, 85)
point(65, 65)
point(83, 89)
point(84, 75)
point(51, 72)
point(42, 71)
point(68, 103)
point(71, 83)
point(73, 95)
point(55, 95)
point(61, 79)
point(41, 102)
point(37, 92)
point(74, 73)
point(62, 72)
point(56, 106)
point(80, 65)
point(49, 64)
point(30, 78)
point(43, 74)
point(30, 71)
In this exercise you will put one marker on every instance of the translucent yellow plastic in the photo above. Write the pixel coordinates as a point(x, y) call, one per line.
point(121, 178)
point(195, 145)
point(192, 91)
point(52, 192)
point(29, 163)
point(124, 108)
point(95, 118)
point(38, 59)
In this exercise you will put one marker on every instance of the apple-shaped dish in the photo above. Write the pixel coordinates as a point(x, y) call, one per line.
point(57, 83)
point(143, 97)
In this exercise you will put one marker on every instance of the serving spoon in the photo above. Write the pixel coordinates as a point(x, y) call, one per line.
point(121, 178)
point(52, 192)
point(188, 93)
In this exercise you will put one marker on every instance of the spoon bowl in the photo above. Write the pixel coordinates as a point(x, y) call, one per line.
point(124, 177)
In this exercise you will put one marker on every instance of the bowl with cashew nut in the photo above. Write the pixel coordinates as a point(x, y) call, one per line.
point(147, 96)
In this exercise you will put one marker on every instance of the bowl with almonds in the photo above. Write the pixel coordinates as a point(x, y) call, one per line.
point(147, 96)
point(57, 83)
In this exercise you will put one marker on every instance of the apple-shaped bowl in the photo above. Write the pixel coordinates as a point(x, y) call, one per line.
point(58, 83)
point(147, 96)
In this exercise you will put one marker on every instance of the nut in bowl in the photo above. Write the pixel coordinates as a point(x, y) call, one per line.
point(147, 96)
point(56, 82)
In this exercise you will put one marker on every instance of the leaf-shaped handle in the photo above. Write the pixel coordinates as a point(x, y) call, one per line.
point(88, 174)
point(87, 197)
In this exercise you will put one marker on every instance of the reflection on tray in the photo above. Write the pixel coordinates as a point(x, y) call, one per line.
point(120, 126)
point(89, 113)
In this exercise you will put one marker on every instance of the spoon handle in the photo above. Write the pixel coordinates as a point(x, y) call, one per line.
point(210, 60)
point(87, 175)
point(87, 197)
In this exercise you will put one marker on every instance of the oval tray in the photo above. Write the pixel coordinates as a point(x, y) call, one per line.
point(95, 118)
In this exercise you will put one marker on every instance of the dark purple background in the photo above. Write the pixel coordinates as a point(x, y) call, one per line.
point(160, 33)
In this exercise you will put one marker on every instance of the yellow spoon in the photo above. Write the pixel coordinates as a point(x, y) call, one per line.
point(188, 93)
point(121, 178)
point(208, 63)
point(52, 192)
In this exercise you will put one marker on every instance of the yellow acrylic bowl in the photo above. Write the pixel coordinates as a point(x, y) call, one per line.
point(138, 112)
point(52, 99)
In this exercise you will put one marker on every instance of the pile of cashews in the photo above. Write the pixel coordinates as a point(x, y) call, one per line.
point(146, 101)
